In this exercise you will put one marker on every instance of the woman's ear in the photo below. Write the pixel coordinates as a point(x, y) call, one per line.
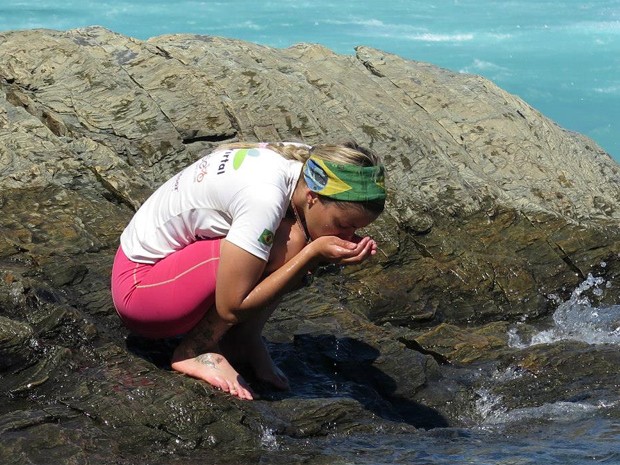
point(311, 198)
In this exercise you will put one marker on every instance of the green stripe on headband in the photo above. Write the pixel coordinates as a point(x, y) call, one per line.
point(345, 182)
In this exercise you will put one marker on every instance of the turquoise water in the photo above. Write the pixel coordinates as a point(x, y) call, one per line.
point(562, 57)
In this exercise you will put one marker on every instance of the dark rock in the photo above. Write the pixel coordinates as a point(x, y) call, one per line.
point(15, 340)
point(492, 209)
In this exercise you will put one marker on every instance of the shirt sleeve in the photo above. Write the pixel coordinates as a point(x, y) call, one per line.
point(256, 215)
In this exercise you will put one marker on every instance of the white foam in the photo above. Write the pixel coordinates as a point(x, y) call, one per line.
point(610, 90)
point(482, 65)
point(500, 36)
point(489, 69)
point(371, 22)
point(377, 28)
point(489, 407)
point(577, 320)
point(556, 411)
point(597, 27)
point(434, 37)
point(492, 411)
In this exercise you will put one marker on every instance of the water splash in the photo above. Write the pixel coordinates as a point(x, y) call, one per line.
point(268, 439)
point(494, 414)
point(578, 320)
point(489, 407)
point(342, 300)
point(337, 350)
point(491, 411)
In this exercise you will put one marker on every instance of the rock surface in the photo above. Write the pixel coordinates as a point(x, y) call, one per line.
point(492, 209)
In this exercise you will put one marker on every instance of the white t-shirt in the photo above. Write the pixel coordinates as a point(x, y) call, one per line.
point(242, 194)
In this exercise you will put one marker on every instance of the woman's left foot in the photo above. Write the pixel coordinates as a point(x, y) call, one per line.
point(256, 355)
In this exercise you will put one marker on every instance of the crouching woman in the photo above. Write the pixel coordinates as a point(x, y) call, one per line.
point(212, 251)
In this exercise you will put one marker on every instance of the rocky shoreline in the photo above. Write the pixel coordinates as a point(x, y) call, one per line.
point(493, 210)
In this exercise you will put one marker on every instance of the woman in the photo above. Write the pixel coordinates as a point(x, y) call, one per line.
point(212, 251)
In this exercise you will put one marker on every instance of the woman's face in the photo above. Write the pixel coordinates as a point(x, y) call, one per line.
point(332, 219)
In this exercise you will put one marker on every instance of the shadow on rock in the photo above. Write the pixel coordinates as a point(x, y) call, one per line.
point(156, 351)
point(328, 367)
point(333, 380)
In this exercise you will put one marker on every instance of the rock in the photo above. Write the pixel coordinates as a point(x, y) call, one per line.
point(466, 346)
point(15, 337)
point(493, 209)
point(544, 369)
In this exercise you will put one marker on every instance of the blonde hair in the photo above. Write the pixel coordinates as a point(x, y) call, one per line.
point(291, 151)
point(346, 153)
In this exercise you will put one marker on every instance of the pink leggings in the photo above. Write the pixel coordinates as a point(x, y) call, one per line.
point(169, 297)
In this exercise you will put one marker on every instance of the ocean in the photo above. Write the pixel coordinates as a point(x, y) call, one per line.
point(562, 57)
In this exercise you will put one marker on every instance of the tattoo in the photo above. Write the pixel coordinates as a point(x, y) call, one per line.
point(210, 360)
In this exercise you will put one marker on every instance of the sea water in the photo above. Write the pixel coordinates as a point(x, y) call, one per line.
point(562, 57)
point(576, 432)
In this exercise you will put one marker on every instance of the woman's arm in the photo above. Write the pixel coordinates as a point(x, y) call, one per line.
point(287, 242)
point(240, 290)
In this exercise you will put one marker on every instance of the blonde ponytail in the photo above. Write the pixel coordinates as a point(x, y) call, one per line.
point(289, 150)
point(347, 153)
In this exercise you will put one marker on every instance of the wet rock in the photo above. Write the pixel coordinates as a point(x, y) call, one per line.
point(494, 214)
point(23, 380)
point(480, 269)
point(15, 340)
point(467, 345)
point(566, 371)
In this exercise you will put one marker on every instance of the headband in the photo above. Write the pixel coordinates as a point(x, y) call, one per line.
point(351, 183)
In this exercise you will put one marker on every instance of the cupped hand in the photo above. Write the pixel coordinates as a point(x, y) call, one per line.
point(342, 252)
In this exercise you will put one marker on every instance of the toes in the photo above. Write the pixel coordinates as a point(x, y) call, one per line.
point(238, 390)
point(230, 387)
point(242, 390)
point(245, 394)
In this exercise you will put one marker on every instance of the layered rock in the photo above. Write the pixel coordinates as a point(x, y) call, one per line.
point(492, 207)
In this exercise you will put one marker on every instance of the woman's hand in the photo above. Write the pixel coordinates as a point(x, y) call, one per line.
point(239, 286)
point(342, 252)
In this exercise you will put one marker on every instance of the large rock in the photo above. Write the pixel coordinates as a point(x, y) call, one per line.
point(492, 208)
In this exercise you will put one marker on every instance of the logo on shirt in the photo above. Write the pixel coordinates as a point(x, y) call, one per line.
point(237, 159)
point(266, 237)
point(241, 154)
point(201, 170)
point(223, 161)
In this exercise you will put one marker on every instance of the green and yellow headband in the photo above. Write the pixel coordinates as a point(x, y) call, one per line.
point(351, 183)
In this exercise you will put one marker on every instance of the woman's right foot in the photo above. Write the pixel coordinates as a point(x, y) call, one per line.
point(215, 370)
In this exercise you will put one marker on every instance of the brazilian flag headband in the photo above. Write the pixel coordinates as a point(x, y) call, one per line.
point(350, 183)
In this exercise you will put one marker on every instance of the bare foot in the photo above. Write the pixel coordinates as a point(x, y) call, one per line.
point(215, 370)
point(265, 368)
point(254, 352)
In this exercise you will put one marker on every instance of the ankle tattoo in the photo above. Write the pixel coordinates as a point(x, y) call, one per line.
point(210, 360)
